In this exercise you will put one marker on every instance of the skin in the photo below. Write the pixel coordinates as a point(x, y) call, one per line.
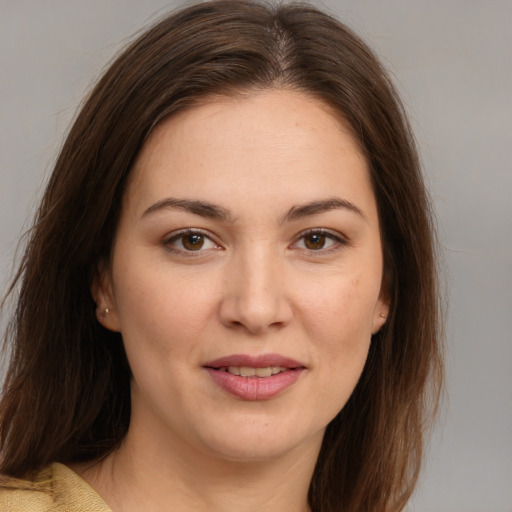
point(256, 285)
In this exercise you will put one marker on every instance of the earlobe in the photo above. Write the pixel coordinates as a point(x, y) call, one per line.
point(380, 317)
point(381, 313)
point(102, 293)
point(107, 318)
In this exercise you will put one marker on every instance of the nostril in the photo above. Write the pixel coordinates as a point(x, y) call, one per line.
point(254, 306)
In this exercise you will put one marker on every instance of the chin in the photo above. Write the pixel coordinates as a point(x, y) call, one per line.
point(259, 443)
point(257, 452)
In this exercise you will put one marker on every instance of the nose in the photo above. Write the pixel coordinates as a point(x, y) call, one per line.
point(255, 296)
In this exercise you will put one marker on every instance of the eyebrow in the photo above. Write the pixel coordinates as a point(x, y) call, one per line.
point(213, 211)
point(202, 208)
point(316, 207)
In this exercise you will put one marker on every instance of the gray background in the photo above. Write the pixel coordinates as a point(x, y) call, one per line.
point(452, 61)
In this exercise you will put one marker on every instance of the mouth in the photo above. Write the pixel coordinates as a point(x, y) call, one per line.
point(247, 371)
point(262, 362)
point(254, 378)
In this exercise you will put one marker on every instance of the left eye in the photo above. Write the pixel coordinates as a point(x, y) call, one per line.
point(191, 241)
point(317, 240)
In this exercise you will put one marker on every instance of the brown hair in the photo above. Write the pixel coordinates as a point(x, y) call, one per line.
point(66, 395)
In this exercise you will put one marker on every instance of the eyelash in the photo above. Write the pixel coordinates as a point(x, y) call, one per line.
point(168, 242)
point(337, 239)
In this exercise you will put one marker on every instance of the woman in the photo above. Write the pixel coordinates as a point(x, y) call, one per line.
point(229, 295)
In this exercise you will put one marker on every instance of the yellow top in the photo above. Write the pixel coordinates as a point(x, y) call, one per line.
point(56, 488)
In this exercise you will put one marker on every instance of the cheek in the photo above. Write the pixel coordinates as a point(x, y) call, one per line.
point(340, 310)
point(162, 323)
point(338, 318)
point(164, 314)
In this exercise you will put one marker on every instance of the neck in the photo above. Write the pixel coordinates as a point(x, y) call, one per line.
point(142, 475)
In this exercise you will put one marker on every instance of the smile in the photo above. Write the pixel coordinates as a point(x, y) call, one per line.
point(254, 377)
point(247, 371)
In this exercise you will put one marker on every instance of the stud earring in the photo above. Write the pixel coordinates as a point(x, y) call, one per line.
point(107, 311)
point(382, 315)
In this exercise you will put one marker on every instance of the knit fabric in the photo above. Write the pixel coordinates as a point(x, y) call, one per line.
point(56, 488)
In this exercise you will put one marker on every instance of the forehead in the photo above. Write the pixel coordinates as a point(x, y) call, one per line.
point(266, 142)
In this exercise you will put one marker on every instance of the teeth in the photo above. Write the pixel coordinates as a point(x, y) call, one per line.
point(235, 370)
point(264, 372)
point(246, 371)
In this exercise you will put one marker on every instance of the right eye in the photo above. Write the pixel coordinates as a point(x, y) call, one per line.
point(190, 240)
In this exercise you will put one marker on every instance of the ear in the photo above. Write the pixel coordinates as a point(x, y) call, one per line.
point(103, 294)
point(381, 313)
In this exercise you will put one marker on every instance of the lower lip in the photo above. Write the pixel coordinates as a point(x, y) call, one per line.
point(255, 388)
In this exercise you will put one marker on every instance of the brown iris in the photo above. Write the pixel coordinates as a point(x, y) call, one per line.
point(193, 241)
point(314, 241)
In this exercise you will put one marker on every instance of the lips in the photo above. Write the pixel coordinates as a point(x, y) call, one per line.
point(254, 377)
point(247, 371)
point(261, 361)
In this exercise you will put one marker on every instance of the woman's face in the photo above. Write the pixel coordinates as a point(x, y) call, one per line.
point(245, 277)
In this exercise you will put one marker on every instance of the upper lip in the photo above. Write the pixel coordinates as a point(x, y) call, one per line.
point(260, 361)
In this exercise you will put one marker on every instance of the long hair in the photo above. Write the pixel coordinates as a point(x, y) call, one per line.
point(67, 389)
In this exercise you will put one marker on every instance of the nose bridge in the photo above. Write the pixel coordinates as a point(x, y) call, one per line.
point(255, 295)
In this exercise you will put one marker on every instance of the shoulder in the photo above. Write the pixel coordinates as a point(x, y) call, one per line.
point(31, 495)
point(55, 488)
